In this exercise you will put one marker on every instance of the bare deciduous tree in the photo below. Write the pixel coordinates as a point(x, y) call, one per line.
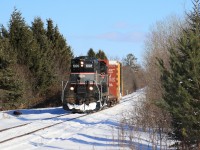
point(148, 116)
point(160, 37)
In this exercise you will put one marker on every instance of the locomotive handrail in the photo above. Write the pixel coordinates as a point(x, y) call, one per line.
point(105, 78)
point(98, 91)
point(63, 90)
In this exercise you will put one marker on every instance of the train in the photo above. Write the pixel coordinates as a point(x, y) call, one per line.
point(93, 84)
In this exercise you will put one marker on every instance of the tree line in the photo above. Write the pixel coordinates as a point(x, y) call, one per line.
point(33, 60)
point(172, 64)
point(170, 110)
point(181, 83)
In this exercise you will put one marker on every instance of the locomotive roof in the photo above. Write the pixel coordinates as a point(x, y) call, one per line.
point(85, 57)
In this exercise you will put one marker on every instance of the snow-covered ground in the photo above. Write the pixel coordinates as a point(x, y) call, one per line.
point(98, 131)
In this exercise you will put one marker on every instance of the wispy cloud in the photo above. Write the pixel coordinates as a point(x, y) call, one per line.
point(119, 32)
point(121, 25)
point(123, 37)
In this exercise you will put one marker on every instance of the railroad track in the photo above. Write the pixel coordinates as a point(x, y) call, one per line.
point(44, 127)
point(38, 129)
point(17, 126)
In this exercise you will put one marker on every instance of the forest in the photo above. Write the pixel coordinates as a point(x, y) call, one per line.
point(33, 61)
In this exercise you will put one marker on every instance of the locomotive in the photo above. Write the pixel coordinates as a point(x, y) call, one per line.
point(93, 84)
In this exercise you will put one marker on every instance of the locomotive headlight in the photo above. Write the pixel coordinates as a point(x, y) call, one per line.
point(82, 63)
point(71, 88)
point(91, 88)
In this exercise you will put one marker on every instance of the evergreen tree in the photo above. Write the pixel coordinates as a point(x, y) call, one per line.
point(39, 33)
point(10, 86)
point(42, 63)
point(54, 55)
point(62, 52)
point(4, 32)
point(50, 30)
point(91, 53)
point(182, 83)
point(20, 37)
point(101, 55)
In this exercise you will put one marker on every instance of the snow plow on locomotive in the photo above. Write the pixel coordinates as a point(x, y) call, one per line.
point(92, 85)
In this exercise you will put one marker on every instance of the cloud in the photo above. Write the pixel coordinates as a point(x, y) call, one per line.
point(123, 37)
point(127, 26)
point(121, 25)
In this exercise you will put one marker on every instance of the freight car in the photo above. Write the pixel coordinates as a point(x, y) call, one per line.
point(93, 84)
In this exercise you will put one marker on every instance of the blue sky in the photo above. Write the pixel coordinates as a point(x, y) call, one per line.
point(118, 27)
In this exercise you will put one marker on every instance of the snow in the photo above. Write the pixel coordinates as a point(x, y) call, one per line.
point(83, 107)
point(96, 131)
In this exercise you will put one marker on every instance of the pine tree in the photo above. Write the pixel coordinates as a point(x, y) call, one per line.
point(50, 30)
point(101, 55)
point(4, 32)
point(182, 83)
point(62, 52)
point(42, 63)
point(91, 53)
point(11, 90)
point(39, 33)
point(20, 37)
point(53, 57)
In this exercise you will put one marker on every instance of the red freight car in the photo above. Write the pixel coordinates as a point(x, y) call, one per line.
point(115, 80)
